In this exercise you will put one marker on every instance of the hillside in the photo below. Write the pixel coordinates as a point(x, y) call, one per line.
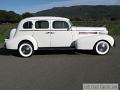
point(84, 12)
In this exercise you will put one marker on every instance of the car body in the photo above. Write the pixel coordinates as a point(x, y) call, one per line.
point(35, 33)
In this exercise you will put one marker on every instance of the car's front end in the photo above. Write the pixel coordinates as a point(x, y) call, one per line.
point(94, 38)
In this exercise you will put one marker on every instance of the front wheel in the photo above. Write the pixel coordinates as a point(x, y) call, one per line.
point(25, 49)
point(102, 47)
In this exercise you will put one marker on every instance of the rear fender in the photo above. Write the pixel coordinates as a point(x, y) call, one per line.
point(14, 42)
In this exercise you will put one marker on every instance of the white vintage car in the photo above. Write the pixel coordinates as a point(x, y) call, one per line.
point(36, 33)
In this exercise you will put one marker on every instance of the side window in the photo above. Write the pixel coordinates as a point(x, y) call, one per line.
point(41, 24)
point(27, 25)
point(60, 25)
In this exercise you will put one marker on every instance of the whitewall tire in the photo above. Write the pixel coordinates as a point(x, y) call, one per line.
point(25, 50)
point(102, 47)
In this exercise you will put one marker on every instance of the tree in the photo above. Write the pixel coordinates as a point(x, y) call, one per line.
point(13, 17)
point(9, 17)
point(27, 14)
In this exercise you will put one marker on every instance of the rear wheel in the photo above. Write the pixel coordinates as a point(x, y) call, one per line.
point(102, 47)
point(25, 49)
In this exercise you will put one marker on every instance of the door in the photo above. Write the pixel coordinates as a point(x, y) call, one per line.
point(61, 36)
point(42, 33)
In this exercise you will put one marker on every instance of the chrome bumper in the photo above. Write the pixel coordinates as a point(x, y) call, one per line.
point(5, 42)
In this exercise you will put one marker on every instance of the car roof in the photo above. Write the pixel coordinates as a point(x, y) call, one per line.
point(46, 18)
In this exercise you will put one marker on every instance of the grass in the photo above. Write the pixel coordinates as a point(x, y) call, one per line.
point(5, 30)
point(113, 27)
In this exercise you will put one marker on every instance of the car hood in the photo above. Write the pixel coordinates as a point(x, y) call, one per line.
point(90, 29)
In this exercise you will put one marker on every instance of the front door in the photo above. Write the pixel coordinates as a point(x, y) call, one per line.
point(61, 36)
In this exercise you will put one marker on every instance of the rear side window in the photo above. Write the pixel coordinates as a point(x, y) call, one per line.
point(60, 25)
point(42, 25)
point(27, 25)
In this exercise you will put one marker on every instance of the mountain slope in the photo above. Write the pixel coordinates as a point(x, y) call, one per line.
point(84, 12)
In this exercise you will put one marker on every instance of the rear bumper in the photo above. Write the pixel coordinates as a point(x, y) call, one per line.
point(6, 40)
point(9, 44)
point(5, 43)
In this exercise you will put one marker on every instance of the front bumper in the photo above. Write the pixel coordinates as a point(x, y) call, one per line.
point(114, 44)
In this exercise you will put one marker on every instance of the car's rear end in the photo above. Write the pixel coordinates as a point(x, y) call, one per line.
point(11, 35)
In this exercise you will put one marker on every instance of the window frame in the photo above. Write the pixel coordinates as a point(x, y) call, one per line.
point(42, 28)
point(60, 29)
point(27, 28)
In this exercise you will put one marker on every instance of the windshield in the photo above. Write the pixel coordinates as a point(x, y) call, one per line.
point(70, 23)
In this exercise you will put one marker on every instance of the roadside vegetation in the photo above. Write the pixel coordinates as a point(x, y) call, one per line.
point(5, 30)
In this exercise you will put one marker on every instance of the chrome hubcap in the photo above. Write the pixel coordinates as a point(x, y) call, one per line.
point(102, 47)
point(26, 49)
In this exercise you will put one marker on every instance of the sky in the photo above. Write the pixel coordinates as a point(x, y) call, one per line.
point(21, 6)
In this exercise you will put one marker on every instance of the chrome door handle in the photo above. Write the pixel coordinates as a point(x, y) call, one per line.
point(52, 32)
point(48, 32)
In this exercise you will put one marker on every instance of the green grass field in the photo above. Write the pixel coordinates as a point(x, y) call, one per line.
point(5, 30)
point(113, 27)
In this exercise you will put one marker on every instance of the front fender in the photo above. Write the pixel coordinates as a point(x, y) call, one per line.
point(14, 42)
point(88, 42)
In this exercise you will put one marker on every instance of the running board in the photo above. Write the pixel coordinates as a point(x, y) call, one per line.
point(56, 48)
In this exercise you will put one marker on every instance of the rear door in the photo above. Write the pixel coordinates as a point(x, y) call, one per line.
point(42, 33)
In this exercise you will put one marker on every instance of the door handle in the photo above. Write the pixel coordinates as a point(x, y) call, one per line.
point(52, 32)
point(48, 32)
